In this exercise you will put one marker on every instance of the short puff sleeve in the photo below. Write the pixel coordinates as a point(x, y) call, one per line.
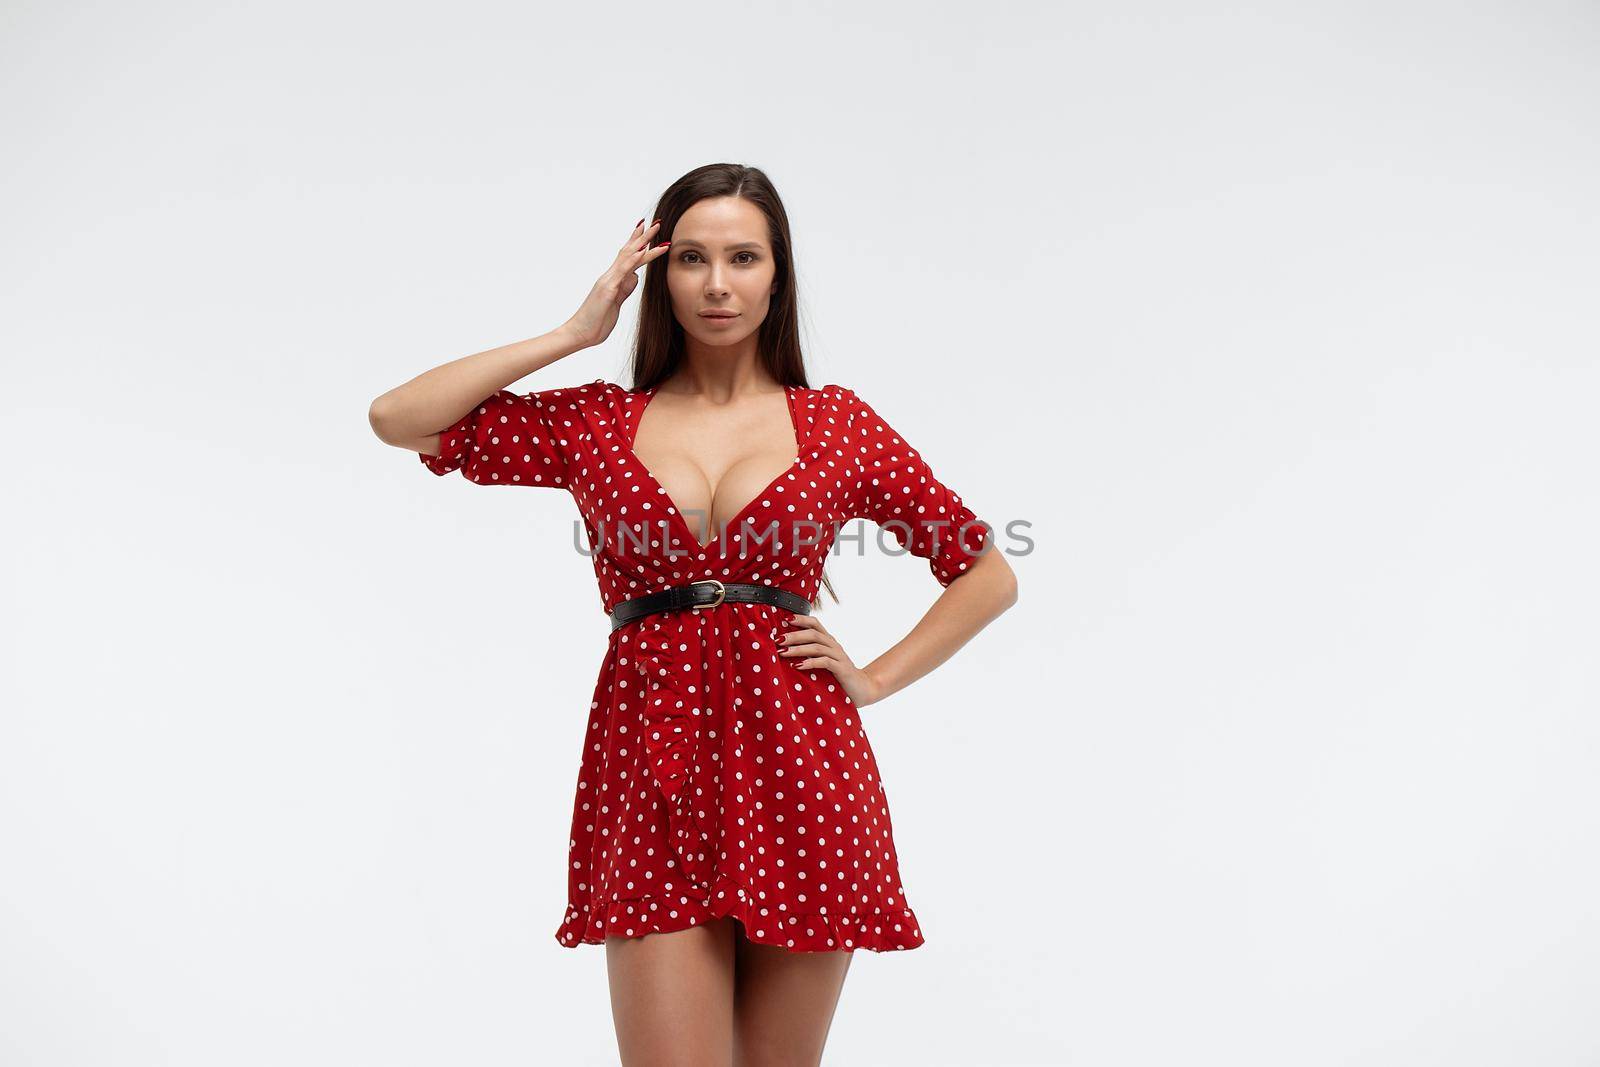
point(509, 439)
point(895, 488)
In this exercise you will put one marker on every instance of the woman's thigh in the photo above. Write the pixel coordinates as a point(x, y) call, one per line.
point(783, 1003)
point(672, 996)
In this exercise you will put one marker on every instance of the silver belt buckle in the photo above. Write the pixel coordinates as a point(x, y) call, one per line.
point(722, 593)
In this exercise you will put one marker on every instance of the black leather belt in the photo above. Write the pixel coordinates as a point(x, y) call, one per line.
point(707, 593)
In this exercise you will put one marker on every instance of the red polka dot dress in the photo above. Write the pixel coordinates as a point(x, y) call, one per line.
point(717, 777)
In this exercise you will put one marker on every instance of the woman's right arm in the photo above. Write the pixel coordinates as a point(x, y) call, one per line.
point(411, 416)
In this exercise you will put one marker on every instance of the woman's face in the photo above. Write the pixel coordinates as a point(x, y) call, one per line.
point(720, 260)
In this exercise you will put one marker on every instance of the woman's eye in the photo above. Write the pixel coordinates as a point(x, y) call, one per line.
point(684, 257)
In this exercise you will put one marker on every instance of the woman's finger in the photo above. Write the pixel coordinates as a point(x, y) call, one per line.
point(801, 640)
point(640, 236)
point(644, 255)
point(808, 622)
point(808, 635)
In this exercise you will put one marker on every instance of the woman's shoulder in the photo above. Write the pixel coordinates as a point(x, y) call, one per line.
point(841, 395)
point(829, 403)
point(596, 394)
point(846, 401)
point(585, 403)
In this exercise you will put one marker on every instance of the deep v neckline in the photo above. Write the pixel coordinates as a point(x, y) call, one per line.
point(790, 403)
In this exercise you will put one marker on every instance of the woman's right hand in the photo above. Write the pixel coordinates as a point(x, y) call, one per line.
point(592, 323)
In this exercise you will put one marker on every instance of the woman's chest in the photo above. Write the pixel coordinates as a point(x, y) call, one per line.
point(712, 463)
point(777, 481)
point(627, 510)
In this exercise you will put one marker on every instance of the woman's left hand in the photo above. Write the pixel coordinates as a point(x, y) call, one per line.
point(809, 642)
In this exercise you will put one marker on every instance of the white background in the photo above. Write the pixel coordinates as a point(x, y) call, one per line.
point(1277, 324)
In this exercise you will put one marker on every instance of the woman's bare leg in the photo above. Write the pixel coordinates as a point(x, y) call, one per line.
point(783, 1003)
point(672, 996)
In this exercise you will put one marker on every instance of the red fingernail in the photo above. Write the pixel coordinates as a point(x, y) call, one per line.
point(638, 224)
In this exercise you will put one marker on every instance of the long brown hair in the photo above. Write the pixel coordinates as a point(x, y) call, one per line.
point(658, 342)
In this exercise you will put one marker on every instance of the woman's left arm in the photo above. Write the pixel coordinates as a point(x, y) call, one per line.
point(897, 489)
point(966, 606)
point(986, 589)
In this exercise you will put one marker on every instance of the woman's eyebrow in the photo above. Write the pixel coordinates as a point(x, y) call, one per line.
point(691, 241)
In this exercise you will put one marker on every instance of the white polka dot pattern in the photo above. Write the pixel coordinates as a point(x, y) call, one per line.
point(717, 777)
point(506, 440)
point(896, 489)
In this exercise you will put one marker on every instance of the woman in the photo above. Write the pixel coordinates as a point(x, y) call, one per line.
point(731, 842)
